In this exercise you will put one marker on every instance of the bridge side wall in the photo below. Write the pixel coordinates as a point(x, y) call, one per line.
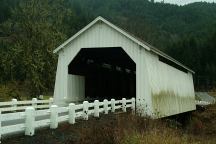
point(172, 90)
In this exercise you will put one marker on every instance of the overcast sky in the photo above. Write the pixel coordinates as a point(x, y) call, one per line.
point(182, 2)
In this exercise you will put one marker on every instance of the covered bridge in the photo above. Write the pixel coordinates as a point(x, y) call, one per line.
point(103, 61)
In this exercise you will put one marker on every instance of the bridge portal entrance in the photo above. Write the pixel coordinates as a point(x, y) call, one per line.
point(101, 73)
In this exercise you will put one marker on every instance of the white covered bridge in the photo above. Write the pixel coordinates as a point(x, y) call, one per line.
point(102, 61)
point(113, 71)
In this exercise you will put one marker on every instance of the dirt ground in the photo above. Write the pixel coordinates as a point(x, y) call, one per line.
point(65, 133)
point(128, 129)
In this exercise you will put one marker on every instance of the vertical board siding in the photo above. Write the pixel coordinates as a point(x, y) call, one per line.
point(143, 95)
point(61, 81)
point(156, 82)
point(172, 90)
point(76, 88)
point(98, 36)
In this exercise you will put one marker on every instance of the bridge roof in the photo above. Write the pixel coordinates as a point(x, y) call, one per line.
point(140, 42)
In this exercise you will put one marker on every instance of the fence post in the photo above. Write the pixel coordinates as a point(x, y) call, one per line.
point(53, 116)
point(113, 105)
point(123, 104)
point(105, 106)
point(29, 121)
point(14, 104)
point(72, 114)
point(96, 108)
point(34, 102)
point(50, 101)
point(41, 97)
point(133, 105)
point(0, 126)
point(85, 110)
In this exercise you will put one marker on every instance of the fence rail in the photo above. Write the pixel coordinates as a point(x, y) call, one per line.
point(32, 119)
point(15, 105)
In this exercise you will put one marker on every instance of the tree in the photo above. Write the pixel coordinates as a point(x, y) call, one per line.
point(35, 28)
point(30, 29)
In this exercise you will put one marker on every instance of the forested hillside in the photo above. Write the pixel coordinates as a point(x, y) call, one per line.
point(31, 29)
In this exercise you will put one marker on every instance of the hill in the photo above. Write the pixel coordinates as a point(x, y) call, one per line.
point(31, 29)
point(157, 23)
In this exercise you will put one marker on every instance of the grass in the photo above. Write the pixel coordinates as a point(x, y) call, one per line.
point(129, 129)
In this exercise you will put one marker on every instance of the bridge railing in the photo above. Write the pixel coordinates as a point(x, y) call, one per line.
point(33, 119)
point(14, 105)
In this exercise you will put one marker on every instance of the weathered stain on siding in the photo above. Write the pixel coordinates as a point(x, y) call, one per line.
point(172, 90)
point(166, 103)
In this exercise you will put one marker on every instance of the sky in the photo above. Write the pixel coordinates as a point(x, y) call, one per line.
point(183, 2)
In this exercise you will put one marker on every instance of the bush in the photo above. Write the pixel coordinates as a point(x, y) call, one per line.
point(12, 90)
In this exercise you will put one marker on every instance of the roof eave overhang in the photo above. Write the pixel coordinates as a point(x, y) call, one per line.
point(76, 35)
point(171, 59)
point(141, 43)
point(90, 25)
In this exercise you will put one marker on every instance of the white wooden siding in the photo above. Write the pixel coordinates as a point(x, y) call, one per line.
point(172, 90)
point(153, 77)
point(76, 88)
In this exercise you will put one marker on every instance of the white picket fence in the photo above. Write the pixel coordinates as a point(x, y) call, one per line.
point(32, 119)
point(15, 105)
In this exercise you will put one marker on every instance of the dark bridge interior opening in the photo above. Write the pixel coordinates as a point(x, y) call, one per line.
point(109, 73)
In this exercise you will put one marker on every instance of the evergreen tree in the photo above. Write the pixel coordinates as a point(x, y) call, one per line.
point(31, 29)
point(34, 30)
